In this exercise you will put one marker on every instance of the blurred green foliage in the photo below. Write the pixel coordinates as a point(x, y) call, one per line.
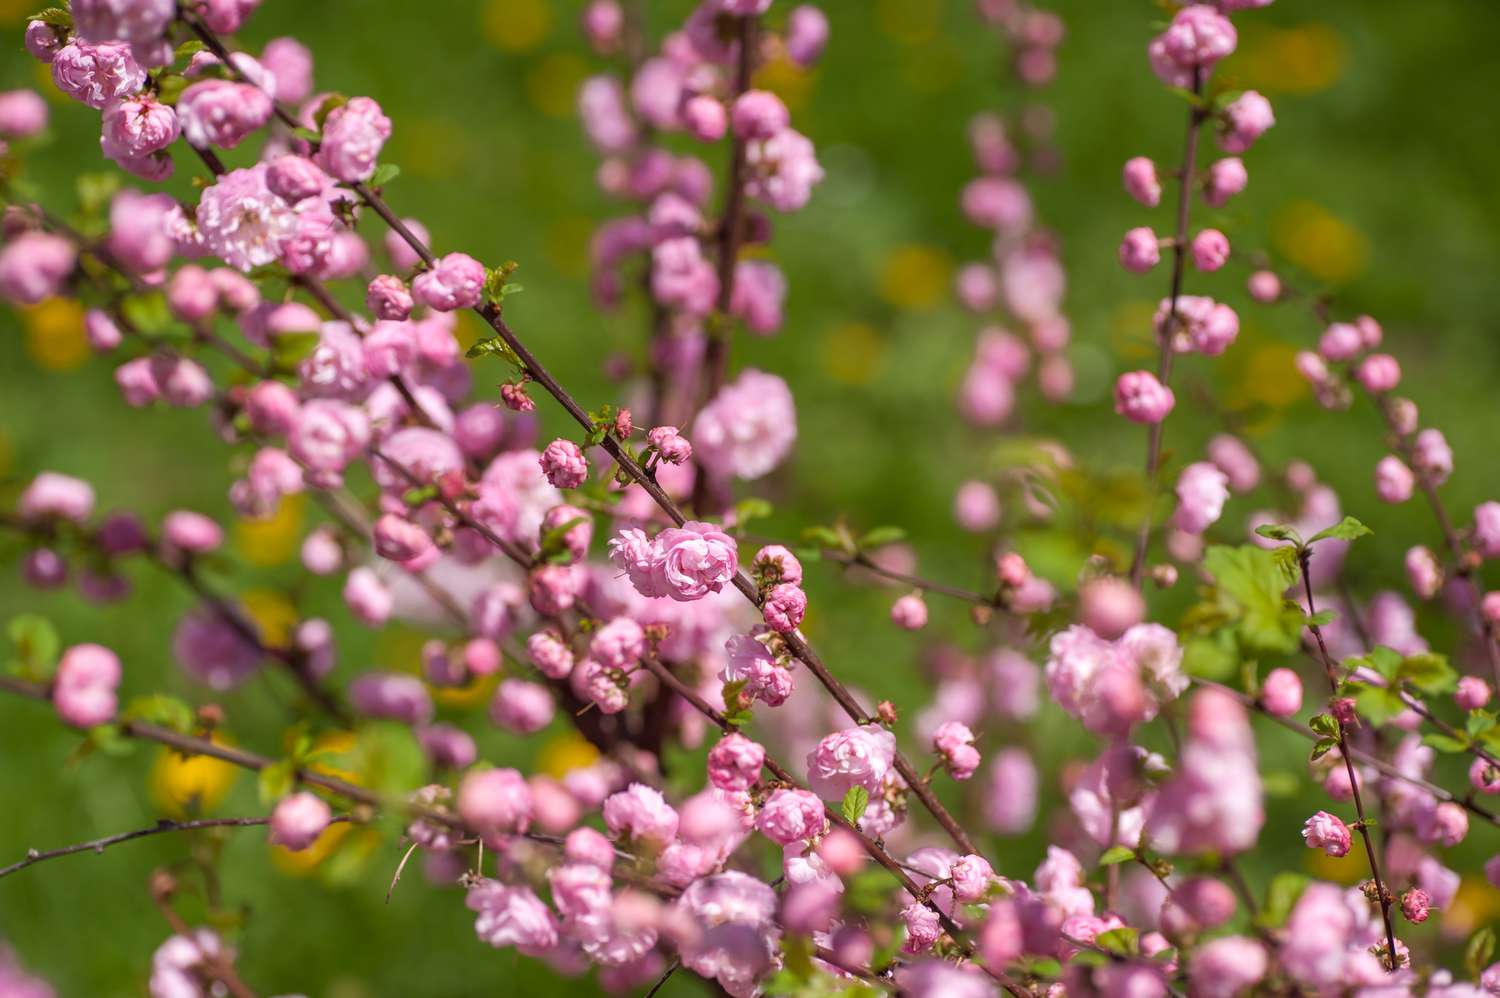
point(1378, 181)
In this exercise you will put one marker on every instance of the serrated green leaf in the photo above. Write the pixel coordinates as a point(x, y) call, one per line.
point(1115, 855)
point(384, 174)
point(1248, 585)
point(1324, 724)
point(1347, 529)
point(1428, 672)
point(1279, 532)
point(1478, 722)
point(1322, 748)
point(854, 804)
point(56, 16)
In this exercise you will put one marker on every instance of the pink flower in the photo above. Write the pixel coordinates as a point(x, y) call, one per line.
point(1472, 693)
point(329, 434)
point(455, 281)
point(1140, 251)
point(289, 61)
point(522, 707)
point(298, 820)
point(923, 927)
point(758, 114)
point(1227, 967)
point(1281, 693)
point(353, 135)
point(1432, 456)
point(33, 267)
point(97, 74)
point(734, 763)
point(735, 935)
point(185, 530)
point(1213, 799)
point(1379, 373)
point(751, 663)
point(1140, 398)
point(122, 20)
point(806, 34)
point(1202, 490)
point(791, 816)
point(784, 607)
point(1486, 532)
point(685, 563)
point(55, 496)
point(682, 278)
point(226, 16)
point(495, 802)
point(954, 742)
point(242, 222)
point(1414, 905)
point(1011, 801)
point(640, 813)
point(1264, 286)
point(1140, 181)
point(909, 612)
point(23, 113)
point(512, 917)
point(1246, 119)
point(972, 878)
point(388, 299)
point(859, 756)
point(783, 170)
point(1196, 40)
point(564, 464)
point(1226, 178)
point(550, 655)
point(759, 295)
point(1324, 831)
point(1394, 481)
point(997, 203)
point(618, 644)
point(222, 113)
point(1424, 572)
point(83, 690)
point(212, 651)
point(748, 428)
point(1210, 250)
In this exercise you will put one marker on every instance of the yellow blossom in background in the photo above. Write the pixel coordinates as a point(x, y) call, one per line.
point(1269, 377)
point(1319, 242)
point(469, 329)
point(272, 540)
point(306, 860)
point(1304, 59)
point(400, 649)
point(273, 615)
point(515, 25)
point(910, 22)
point(14, 11)
point(54, 334)
point(564, 752)
point(852, 352)
point(552, 84)
point(914, 276)
point(1132, 334)
point(1348, 869)
point(187, 785)
point(787, 80)
point(566, 245)
point(333, 744)
point(475, 694)
point(1475, 903)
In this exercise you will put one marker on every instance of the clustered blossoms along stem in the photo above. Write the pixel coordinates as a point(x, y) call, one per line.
point(652, 649)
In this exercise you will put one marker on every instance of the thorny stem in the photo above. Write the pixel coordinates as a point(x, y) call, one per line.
point(1393, 960)
point(1197, 115)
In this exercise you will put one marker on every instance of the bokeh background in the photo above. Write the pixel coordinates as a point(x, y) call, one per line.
point(1377, 183)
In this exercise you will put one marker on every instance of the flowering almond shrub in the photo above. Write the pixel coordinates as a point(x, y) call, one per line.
point(747, 818)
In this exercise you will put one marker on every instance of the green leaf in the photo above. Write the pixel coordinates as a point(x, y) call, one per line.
point(1210, 657)
point(1478, 722)
point(56, 16)
point(1322, 748)
point(1381, 659)
point(1123, 941)
point(751, 508)
point(330, 104)
point(36, 643)
point(389, 759)
point(158, 708)
point(1477, 954)
point(169, 87)
point(881, 536)
point(1279, 532)
point(823, 537)
point(95, 191)
point(384, 174)
point(275, 781)
point(1347, 529)
point(1322, 618)
point(1248, 585)
point(290, 349)
point(190, 48)
point(1378, 704)
point(855, 802)
point(1281, 897)
point(1428, 672)
point(1444, 743)
point(554, 541)
point(1115, 855)
point(1325, 725)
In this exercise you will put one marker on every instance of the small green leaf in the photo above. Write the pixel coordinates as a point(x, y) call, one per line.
point(170, 87)
point(290, 349)
point(36, 643)
point(881, 536)
point(823, 537)
point(1479, 951)
point(158, 708)
point(554, 541)
point(1478, 722)
point(384, 174)
point(1281, 897)
point(1445, 743)
point(751, 508)
point(1322, 748)
point(1123, 941)
point(1279, 532)
point(1378, 704)
point(275, 782)
point(855, 802)
point(190, 48)
point(1322, 618)
point(330, 104)
point(1428, 672)
point(55, 16)
point(1115, 855)
point(1324, 724)
point(1347, 529)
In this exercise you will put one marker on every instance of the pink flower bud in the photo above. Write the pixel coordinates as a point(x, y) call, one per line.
point(191, 294)
point(564, 465)
point(550, 655)
point(1432, 455)
point(83, 690)
point(191, 532)
point(784, 607)
point(672, 446)
point(923, 928)
point(1414, 905)
point(1281, 693)
point(1226, 178)
point(54, 496)
point(806, 34)
point(1140, 250)
point(33, 267)
point(1141, 398)
point(640, 814)
point(1140, 181)
point(1264, 286)
point(1110, 606)
point(1379, 373)
point(43, 40)
point(1210, 250)
point(1341, 341)
point(23, 113)
point(1324, 831)
point(1448, 824)
point(522, 707)
point(758, 114)
point(44, 568)
point(976, 507)
point(705, 118)
point(1489, 606)
point(222, 113)
point(954, 742)
point(790, 816)
point(298, 821)
point(734, 763)
point(1245, 119)
point(495, 802)
point(842, 852)
point(1394, 481)
point(909, 612)
point(1472, 693)
point(368, 598)
point(1423, 572)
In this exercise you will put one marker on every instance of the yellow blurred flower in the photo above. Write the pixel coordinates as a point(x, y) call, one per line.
point(915, 276)
point(274, 539)
point(1303, 59)
point(475, 694)
point(515, 25)
point(552, 83)
point(54, 334)
point(187, 785)
point(1268, 376)
point(1348, 869)
point(273, 614)
point(304, 861)
point(564, 752)
point(852, 352)
point(1475, 904)
point(787, 80)
point(1319, 242)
